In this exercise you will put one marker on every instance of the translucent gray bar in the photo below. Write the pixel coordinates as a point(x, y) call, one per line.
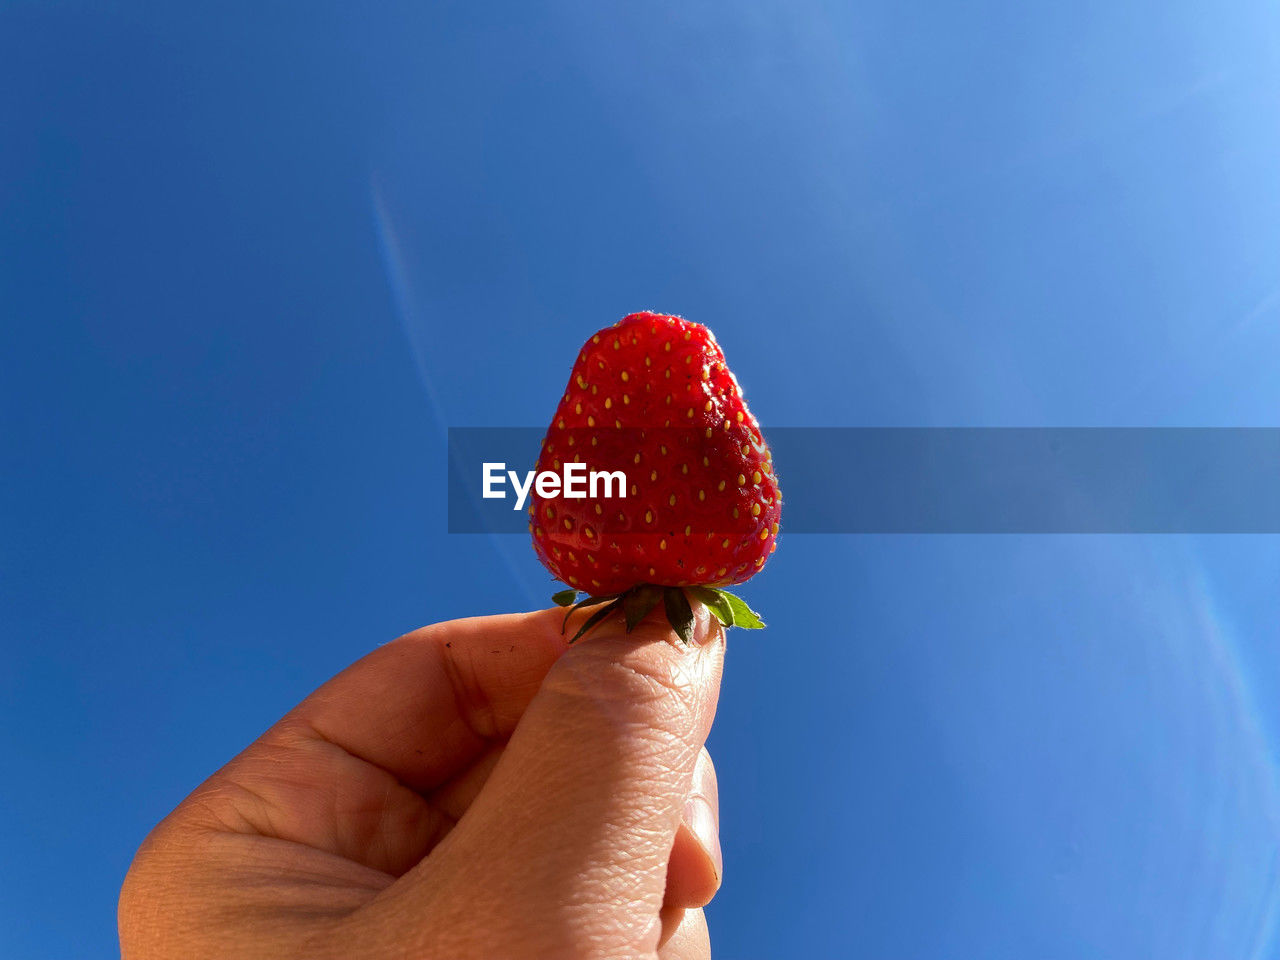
point(965, 480)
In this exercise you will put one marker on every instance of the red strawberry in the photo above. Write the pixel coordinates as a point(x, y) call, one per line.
point(652, 397)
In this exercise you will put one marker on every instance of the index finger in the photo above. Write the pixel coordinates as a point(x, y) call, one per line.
point(428, 705)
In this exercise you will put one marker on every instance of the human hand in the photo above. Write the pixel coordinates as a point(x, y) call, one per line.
point(475, 789)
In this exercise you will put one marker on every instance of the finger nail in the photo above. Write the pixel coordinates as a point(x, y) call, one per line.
point(706, 627)
point(700, 818)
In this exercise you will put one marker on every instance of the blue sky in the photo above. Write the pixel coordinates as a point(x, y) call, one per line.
point(254, 258)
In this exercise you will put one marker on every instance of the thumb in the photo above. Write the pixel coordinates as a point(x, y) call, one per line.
point(569, 840)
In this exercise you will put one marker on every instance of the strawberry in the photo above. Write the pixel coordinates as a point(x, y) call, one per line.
point(653, 398)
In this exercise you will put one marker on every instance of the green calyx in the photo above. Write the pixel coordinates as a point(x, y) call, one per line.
point(635, 604)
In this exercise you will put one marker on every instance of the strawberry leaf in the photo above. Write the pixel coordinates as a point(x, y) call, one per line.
point(743, 616)
point(588, 602)
point(679, 613)
point(637, 602)
point(598, 616)
point(565, 598)
point(714, 600)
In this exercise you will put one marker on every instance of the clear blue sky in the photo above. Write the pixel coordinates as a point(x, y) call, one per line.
point(255, 256)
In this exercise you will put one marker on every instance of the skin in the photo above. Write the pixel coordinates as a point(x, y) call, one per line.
point(475, 789)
